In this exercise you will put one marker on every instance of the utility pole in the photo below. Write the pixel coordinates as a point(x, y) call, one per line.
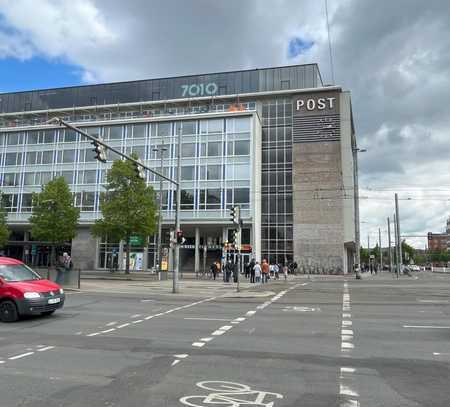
point(399, 240)
point(397, 267)
point(381, 250)
point(159, 253)
point(368, 249)
point(389, 240)
point(355, 151)
point(177, 220)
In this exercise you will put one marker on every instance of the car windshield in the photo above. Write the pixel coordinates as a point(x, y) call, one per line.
point(18, 272)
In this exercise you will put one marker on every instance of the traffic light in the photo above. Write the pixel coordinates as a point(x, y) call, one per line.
point(235, 215)
point(234, 236)
point(180, 237)
point(100, 151)
point(140, 170)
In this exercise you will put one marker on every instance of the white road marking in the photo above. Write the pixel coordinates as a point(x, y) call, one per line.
point(434, 301)
point(250, 313)
point(147, 300)
point(94, 334)
point(208, 319)
point(135, 316)
point(426, 326)
point(347, 370)
point(111, 323)
point(218, 332)
point(240, 319)
point(206, 339)
point(349, 315)
point(347, 391)
point(347, 345)
point(138, 321)
point(225, 328)
point(21, 356)
point(149, 317)
point(181, 356)
point(346, 323)
point(350, 403)
point(198, 344)
point(123, 325)
point(440, 354)
point(108, 330)
point(175, 362)
point(346, 332)
point(346, 338)
point(2, 361)
point(46, 348)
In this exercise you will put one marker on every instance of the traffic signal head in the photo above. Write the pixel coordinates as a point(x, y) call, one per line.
point(180, 237)
point(235, 215)
point(140, 170)
point(100, 151)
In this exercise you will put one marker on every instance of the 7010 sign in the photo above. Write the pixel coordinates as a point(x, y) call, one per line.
point(200, 89)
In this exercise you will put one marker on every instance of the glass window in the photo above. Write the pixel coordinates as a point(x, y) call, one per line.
point(115, 133)
point(187, 199)
point(48, 136)
point(47, 157)
point(164, 129)
point(31, 157)
point(9, 180)
point(28, 178)
point(14, 139)
point(230, 145)
point(69, 156)
point(27, 202)
point(201, 149)
point(68, 176)
point(214, 172)
point(93, 131)
point(88, 201)
point(140, 151)
point(187, 172)
point(215, 149)
point(70, 136)
point(188, 150)
point(89, 177)
point(242, 147)
point(242, 195)
point(215, 126)
point(33, 137)
point(241, 171)
point(186, 127)
point(165, 151)
point(213, 198)
point(45, 177)
point(13, 158)
point(138, 131)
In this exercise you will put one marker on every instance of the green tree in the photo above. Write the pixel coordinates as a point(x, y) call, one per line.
point(4, 230)
point(128, 207)
point(408, 252)
point(54, 217)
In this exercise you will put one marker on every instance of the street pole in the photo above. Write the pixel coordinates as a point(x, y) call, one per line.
point(159, 255)
point(177, 220)
point(397, 267)
point(368, 249)
point(381, 250)
point(397, 217)
point(356, 205)
point(389, 240)
point(239, 254)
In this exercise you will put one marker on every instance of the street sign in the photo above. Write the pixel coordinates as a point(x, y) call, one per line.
point(372, 256)
point(136, 241)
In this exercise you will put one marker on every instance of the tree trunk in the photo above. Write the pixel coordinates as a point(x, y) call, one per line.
point(53, 256)
point(127, 251)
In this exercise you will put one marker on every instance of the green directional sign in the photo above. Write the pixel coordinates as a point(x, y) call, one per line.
point(136, 241)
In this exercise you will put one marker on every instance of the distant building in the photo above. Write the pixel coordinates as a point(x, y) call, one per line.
point(438, 242)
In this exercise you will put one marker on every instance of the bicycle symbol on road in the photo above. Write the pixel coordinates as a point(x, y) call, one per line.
point(229, 394)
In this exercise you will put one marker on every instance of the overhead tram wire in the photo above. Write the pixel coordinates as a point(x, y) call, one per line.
point(329, 43)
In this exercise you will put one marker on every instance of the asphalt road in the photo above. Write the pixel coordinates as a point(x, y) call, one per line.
point(330, 341)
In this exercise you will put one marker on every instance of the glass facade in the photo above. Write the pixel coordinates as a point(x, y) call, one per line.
point(276, 183)
point(215, 168)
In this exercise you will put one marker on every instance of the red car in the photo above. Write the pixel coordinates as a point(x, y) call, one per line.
point(24, 292)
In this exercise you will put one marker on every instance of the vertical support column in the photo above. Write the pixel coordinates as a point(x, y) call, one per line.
point(120, 260)
point(197, 251)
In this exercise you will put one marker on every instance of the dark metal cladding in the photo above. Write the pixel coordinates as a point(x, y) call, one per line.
point(214, 84)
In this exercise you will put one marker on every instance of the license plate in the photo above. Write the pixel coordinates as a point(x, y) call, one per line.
point(54, 300)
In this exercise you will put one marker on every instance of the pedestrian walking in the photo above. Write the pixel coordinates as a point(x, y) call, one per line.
point(213, 270)
point(228, 270)
point(285, 271)
point(276, 271)
point(247, 270)
point(257, 273)
point(252, 271)
point(265, 271)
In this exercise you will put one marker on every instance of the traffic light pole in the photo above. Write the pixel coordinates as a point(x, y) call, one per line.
point(61, 122)
point(176, 270)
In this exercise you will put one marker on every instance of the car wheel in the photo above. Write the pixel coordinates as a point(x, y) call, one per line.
point(48, 313)
point(8, 311)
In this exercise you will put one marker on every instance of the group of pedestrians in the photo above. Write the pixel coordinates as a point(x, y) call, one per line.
point(253, 270)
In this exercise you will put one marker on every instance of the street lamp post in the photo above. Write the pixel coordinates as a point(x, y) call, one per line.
point(162, 149)
point(355, 151)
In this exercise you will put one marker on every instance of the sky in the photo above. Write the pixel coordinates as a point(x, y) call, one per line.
point(393, 56)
